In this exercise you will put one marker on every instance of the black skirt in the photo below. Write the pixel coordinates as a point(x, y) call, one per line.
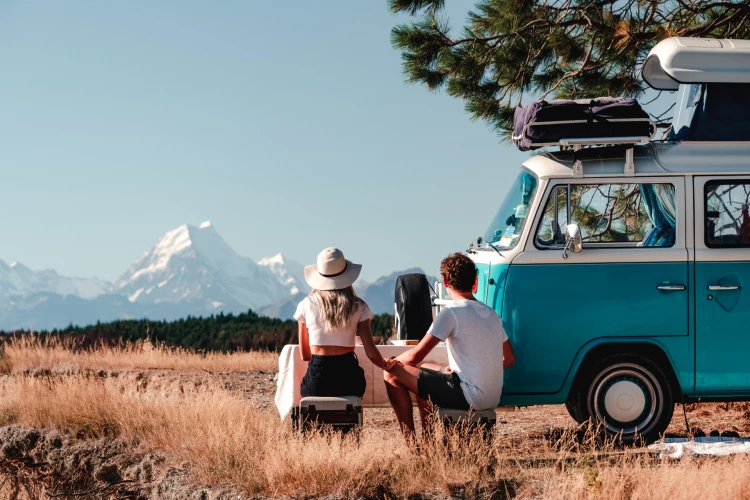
point(333, 376)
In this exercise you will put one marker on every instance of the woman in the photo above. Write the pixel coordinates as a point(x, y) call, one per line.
point(329, 318)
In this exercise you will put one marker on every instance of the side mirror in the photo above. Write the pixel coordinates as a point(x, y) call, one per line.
point(573, 240)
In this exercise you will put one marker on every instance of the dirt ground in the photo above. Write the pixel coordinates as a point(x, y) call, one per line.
point(523, 422)
point(45, 464)
point(513, 425)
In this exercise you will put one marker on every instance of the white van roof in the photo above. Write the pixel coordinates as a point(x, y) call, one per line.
point(654, 159)
point(679, 60)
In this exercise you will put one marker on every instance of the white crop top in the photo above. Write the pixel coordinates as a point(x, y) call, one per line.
point(308, 312)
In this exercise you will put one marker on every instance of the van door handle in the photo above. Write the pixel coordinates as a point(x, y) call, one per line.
point(668, 287)
point(719, 288)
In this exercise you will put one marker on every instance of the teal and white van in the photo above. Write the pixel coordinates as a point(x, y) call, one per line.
point(621, 266)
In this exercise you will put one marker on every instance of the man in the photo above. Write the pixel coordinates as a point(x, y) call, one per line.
point(478, 351)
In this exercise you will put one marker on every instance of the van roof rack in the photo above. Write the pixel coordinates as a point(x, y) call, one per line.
point(578, 143)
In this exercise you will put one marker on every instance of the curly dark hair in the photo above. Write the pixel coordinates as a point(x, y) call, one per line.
point(458, 272)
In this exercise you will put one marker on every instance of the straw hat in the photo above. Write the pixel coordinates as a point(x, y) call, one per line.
point(332, 272)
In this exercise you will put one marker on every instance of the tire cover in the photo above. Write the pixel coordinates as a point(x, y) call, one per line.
point(413, 307)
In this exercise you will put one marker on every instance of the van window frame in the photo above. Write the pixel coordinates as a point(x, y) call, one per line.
point(718, 182)
point(583, 181)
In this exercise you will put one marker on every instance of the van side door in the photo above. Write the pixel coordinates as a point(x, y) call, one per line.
point(630, 279)
point(722, 275)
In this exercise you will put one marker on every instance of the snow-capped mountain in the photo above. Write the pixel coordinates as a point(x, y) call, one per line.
point(195, 264)
point(17, 279)
point(189, 271)
point(289, 273)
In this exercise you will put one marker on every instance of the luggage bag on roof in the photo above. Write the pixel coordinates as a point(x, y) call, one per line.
point(545, 123)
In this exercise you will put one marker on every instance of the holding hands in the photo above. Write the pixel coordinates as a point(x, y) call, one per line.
point(390, 363)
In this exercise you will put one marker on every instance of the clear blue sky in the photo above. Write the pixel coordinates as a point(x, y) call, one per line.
point(287, 124)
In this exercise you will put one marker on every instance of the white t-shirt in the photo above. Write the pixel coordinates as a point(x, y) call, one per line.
point(308, 312)
point(474, 334)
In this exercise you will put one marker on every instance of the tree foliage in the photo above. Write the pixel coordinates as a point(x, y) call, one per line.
point(222, 332)
point(569, 49)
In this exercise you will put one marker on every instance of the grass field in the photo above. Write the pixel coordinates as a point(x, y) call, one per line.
point(212, 415)
point(53, 354)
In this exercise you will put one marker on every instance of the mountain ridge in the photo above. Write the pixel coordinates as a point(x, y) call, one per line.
point(189, 270)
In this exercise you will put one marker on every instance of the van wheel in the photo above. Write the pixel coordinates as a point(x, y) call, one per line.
point(629, 396)
point(572, 407)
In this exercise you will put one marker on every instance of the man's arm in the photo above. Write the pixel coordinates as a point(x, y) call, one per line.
point(509, 357)
point(414, 357)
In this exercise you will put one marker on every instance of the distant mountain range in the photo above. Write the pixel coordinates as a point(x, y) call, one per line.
point(189, 271)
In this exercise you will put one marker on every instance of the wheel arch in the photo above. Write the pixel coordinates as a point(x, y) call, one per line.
point(596, 350)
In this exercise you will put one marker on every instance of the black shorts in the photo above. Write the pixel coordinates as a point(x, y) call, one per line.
point(442, 389)
point(333, 376)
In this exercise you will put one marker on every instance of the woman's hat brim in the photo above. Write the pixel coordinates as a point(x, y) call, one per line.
point(343, 280)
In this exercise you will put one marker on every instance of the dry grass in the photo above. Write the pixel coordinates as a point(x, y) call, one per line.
point(21, 354)
point(226, 440)
point(692, 479)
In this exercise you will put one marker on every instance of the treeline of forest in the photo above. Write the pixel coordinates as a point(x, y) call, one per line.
point(222, 332)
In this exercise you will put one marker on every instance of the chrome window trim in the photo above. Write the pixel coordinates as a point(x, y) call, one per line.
point(591, 255)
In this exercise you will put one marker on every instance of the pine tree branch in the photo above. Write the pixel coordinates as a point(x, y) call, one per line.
point(572, 74)
point(551, 47)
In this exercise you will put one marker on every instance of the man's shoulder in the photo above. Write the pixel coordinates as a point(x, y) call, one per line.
point(472, 308)
point(477, 314)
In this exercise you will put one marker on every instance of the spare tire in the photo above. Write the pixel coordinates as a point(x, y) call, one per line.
point(413, 308)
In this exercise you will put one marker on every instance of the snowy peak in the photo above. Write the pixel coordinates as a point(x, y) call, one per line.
point(190, 270)
point(203, 240)
point(276, 260)
point(195, 264)
point(18, 279)
point(289, 273)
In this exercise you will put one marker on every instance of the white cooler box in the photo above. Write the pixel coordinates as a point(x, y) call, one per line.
point(340, 413)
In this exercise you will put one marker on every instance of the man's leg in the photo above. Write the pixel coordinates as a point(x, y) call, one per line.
point(426, 408)
point(399, 382)
point(401, 403)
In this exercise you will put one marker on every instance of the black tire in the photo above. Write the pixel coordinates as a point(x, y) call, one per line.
point(413, 307)
point(629, 396)
point(572, 406)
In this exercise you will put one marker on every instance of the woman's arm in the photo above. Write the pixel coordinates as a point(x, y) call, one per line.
point(304, 342)
point(365, 333)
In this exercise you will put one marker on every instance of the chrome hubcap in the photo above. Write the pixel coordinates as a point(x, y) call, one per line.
point(625, 399)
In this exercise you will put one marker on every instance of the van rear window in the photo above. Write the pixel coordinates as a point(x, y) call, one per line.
point(727, 217)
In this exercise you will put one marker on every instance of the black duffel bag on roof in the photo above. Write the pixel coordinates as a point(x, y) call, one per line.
point(545, 123)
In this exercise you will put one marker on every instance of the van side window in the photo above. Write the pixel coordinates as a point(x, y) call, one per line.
point(611, 215)
point(727, 218)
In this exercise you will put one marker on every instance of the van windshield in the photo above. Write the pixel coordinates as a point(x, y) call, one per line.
point(506, 226)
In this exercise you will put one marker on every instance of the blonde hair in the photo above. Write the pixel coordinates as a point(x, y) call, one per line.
point(336, 306)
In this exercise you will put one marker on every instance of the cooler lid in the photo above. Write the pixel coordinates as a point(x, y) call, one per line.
point(679, 60)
